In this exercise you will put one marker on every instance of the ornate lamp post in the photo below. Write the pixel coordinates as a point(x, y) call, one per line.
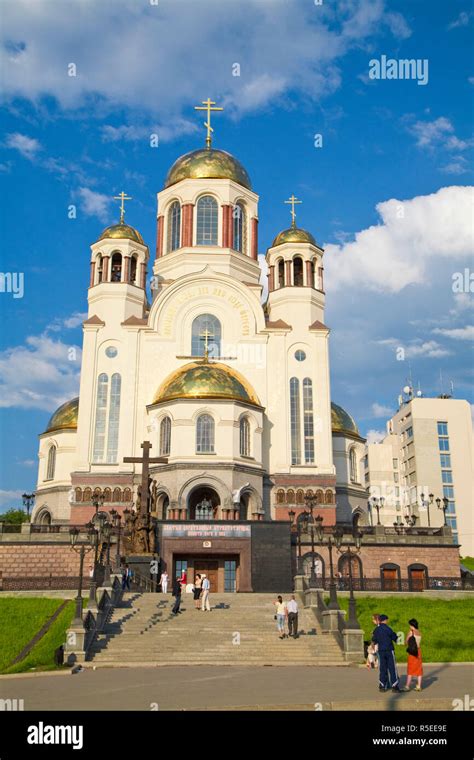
point(81, 549)
point(352, 621)
point(311, 504)
point(302, 528)
point(444, 507)
point(94, 539)
point(378, 504)
point(333, 603)
point(428, 503)
point(410, 520)
point(28, 499)
point(98, 501)
point(117, 524)
point(106, 535)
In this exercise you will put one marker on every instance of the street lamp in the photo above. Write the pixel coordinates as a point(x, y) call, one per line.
point(106, 535)
point(352, 621)
point(28, 499)
point(117, 524)
point(333, 603)
point(428, 504)
point(444, 508)
point(410, 520)
point(378, 504)
point(98, 501)
point(312, 579)
point(80, 549)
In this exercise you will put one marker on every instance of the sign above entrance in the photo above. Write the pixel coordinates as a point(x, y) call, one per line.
point(205, 530)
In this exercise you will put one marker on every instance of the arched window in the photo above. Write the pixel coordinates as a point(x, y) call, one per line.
point(244, 437)
point(353, 465)
point(133, 270)
point(165, 437)
point(78, 495)
point(117, 496)
point(313, 283)
point(99, 269)
point(114, 416)
point(308, 420)
point(240, 227)
point(116, 270)
point(298, 271)
point(100, 417)
point(319, 497)
point(205, 434)
point(300, 496)
point(207, 221)
point(107, 419)
point(174, 226)
point(206, 328)
point(281, 274)
point(107, 494)
point(280, 496)
point(127, 495)
point(290, 496)
point(329, 497)
point(87, 496)
point(309, 494)
point(295, 423)
point(51, 467)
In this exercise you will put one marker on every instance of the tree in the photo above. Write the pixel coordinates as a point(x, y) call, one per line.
point(14, 517)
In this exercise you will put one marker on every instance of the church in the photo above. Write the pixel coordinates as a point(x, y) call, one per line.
point(230, 389)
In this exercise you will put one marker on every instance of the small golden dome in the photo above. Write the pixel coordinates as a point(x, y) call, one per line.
point(64, 418)
point(122, 231)
point(294, 235)
point(206, 380)
point(341, 421)
point(208, 163)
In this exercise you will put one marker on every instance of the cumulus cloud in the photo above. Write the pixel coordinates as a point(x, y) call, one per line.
point(379, 410)
point(7, 498)
point(94, 204)
point(375, 436)
point(27, 146)
point(461, 20)
point(458, 333)
point(413, 234)
point(68, 323)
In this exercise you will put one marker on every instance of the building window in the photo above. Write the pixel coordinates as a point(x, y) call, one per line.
point(51, 467)
point(281, 274)
point(117, 496)
point(395, 477)
point(205, 434)
point(295, 421)
point(107, 418)
point(174, 226)
point(207, 221)
point(165, 437)
point(448, 492)
point(230, 575)
point(239, 220)
point(114, 417)
point(446, 476)
point(442, 428)
point(116, 270)
point(127, 495)
point(206, 329)
point(78, 495)
point(280, 496)
point(445, 461)
point(353, 465)
point(87, 496)
point(300, 355)
point(443, 444)
point(329, 497)
point(308, 423)
point(107, 494)
point(409, 432)
point(100, 417)
point(290, 496)
point(298, 271)
point(133, 270)
point(244, 437)
point(395, 464)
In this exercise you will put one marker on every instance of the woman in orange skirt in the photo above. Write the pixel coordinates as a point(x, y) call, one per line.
point(415, 663)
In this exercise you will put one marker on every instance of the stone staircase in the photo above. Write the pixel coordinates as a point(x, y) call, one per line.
point(240, 630)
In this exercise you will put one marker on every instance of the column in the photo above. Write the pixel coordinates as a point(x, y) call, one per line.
point(254, 238)
point(271, 279)
point(230, 226)
point(187, 216)
point(309, 274)
point(288, 273)
point(143, 275)
point(320, 278)
point(92, 273)
point(159, 236)
point(226, 213)
point(105, 268)
point(126, 269)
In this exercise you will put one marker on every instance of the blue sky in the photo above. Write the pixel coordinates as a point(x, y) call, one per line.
point(388, 194)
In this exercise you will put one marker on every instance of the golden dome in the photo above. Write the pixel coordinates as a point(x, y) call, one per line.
point(122, 231)
point(206, 380)
point(294, 235)
point(208, 163)
point(64, 418)
point(341, 421)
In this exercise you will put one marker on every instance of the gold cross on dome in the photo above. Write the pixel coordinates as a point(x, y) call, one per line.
point(122, 197)
point(206, 335)
point(208, 105)
point(293, 201)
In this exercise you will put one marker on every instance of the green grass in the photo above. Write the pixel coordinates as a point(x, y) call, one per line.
point(468, 562)
point(446, 625)
point(20, 620)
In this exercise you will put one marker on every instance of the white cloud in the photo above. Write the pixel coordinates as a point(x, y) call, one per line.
point(428, 349)
point(458, 333)
point(458, 166)
point(8, 497)
point(398, 26)
point(379, 410)
point(27, 146)
point(429, 134)
point(461, 20)
point(375, 436)
point(413, 236)
point(95, 204)
point(68, 323)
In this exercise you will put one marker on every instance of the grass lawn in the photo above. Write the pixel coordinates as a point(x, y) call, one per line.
point(21, 619)
point(468, 562)
point(446, 626)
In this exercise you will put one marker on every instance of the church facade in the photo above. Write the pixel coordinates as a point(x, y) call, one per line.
point(234, 392)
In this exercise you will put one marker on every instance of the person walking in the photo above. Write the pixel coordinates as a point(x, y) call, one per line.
point(281, 614)
point(197, 590)
point(206, 587)
point(164, 582)
point(384, 637)
point(414, 662)
point(126, 578)
point(177, 596)
point(292, 609)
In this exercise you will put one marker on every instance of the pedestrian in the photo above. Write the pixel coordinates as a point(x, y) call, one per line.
point(384, 637)
point(197, 590)
point(292, 609)
point(164, 582)
point(415, 662)
point(177, 596)
point(372, 649)
point(126, 578)
point(184, 579)
point(206, 587)
point(91, 572)
point(281, 614)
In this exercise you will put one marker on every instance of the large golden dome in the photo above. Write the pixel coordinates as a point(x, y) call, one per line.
point(122, 231)
point(206, 380)
point(64, 418)
point(208, 163)
point(294, 235)
point(341, 421)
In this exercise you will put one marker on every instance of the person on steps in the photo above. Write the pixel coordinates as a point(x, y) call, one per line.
point(177, 596)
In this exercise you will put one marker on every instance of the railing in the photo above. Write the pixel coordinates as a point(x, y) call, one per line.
point(399, 584)
point(40, 583)
point(140, 582)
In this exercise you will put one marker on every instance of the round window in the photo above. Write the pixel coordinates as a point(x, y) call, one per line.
point(111, 352)
point(300, 356)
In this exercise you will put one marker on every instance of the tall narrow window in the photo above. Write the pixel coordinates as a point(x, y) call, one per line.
point(205, 434)
point(244, 437)
point(114, 417)
point(298, 272)
point(133, 270)
point(100, 417)
point(165, 437)
point(353, 465)
point(207, 220)
point(99, 269)
point(206, 330)
point(308, 421)
point(174, 226)
point(116, 270)
point(295, 423)
point(281, 274)
point(51, 463)
point(239, 228)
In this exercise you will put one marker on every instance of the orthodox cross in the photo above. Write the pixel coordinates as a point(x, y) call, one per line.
point(205, 357)
point(293, 201)
point(208, 105)
point(122, 197)
point(145, 461)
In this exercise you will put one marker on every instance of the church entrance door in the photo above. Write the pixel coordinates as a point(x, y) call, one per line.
point(210, 568)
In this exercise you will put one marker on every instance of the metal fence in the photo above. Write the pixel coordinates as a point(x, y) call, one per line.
point(398, 584)
point(42, 583)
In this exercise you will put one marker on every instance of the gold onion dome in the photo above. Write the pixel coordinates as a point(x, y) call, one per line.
point(208, 163)
point(294, 235)
point(341, 421)
point(122, 231)
point(64, 418)
point(206, 380)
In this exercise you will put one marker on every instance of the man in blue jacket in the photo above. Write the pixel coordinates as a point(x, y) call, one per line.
point(384, 637)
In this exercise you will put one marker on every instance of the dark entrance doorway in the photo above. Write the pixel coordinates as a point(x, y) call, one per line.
point(210, 568)
point(203, 504)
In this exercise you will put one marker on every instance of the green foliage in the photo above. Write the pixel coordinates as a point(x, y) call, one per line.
point(446, 625)
point(468, 562)
point(14, 517)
